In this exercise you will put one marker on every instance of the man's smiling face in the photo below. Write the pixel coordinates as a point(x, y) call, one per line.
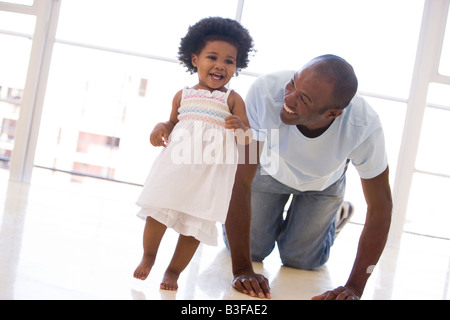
point(306, 96)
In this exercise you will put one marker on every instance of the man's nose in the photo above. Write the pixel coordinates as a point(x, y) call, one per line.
point(289, 96)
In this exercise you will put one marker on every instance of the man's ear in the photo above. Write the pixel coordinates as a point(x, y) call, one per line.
point(333, 113)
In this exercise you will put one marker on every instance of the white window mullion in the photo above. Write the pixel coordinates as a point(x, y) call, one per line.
point(239, 9)
point(22, 159)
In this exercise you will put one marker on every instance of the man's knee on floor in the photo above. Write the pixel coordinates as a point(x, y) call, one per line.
point(259, 252)
point(305, 260)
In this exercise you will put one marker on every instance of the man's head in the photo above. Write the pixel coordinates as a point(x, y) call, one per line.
point(319, 92)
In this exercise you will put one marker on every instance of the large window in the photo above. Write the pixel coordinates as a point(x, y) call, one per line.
point(113, 74)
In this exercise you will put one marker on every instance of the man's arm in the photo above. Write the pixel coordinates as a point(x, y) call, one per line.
point(237, 227)
point(377, 193)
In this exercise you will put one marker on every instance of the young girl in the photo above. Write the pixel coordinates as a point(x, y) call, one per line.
point(189, 186)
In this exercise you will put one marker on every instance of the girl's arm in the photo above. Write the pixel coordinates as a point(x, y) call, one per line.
point(238, 119)
point(160, 134)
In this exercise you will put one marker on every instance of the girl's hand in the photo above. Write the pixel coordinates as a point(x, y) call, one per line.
point(234, 122)
point(160, 134)
point(242, 133)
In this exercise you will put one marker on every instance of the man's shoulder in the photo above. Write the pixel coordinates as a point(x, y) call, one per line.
point(269, 88)
point(360, 113)
point(274, 79)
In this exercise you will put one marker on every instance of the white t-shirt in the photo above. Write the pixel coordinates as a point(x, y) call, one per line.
point(308, 164)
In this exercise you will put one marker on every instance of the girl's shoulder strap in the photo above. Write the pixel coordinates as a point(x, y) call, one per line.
point(185, 89)
point(229, 102)
point(227, 95)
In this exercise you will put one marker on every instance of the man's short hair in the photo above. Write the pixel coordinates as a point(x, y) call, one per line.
point(341, 73)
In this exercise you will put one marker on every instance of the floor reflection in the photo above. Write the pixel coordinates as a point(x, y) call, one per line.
point(60, 240)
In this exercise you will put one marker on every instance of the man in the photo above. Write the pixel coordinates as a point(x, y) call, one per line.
point(310, 124)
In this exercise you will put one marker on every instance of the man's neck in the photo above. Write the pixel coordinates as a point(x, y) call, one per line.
point(311, 132)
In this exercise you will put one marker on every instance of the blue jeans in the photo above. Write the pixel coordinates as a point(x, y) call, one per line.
point(306, 234)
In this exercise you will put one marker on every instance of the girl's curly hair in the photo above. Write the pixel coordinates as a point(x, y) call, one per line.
point(215, 28)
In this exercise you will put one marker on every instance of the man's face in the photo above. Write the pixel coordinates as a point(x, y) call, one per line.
point(306, 96)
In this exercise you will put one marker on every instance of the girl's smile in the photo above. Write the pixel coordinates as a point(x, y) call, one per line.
point(216, 76)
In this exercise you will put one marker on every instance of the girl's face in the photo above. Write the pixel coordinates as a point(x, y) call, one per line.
point(216, 65)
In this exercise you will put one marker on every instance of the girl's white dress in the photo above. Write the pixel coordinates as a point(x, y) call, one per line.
point(190, 183)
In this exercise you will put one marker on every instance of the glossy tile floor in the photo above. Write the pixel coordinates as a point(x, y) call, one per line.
point(61, 239)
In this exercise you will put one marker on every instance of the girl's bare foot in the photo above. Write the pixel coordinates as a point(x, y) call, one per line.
point(143, 269)
point(169, 281)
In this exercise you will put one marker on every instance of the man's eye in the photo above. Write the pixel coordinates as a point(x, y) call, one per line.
point(303, 100)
